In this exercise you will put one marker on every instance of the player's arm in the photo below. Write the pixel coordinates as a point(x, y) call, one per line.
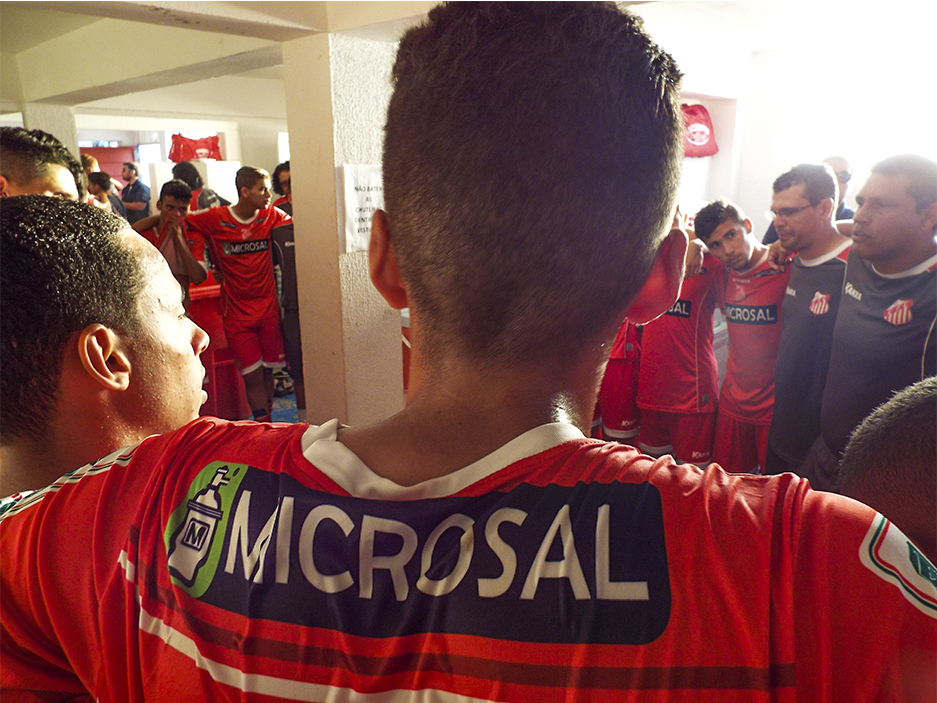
point(778, 256)
point(136, 205)
point(194, 269)
point(845, 227)
point(146, 223)
point(855, 572)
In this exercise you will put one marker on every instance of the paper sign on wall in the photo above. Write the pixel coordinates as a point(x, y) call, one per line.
point(364, 193)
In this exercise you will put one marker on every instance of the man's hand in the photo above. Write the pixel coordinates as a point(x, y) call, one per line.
point(694, 258)
point(778, 256)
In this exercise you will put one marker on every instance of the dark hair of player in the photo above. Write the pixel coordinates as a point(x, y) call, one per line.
point(818, 180)
point(25, 154)
point(247, 176)
point(63, 269)
point(186, 171)
point(176, 188)
point(529, 178)
point(101, 179)
point(921, 172)
point(275, 178)
point(714, 214)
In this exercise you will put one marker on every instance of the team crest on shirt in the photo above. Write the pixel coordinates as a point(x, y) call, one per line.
point(820, 305)
point(899, 312)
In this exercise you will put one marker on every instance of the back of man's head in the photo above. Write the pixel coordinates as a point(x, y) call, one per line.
point(530, 157)
point(818, 180)
point(177, 189)
point(714, 214)
point(920, 171)
point(186, 171)
point(890, 462)
point(26, 155)
point(63, 269)
point(100, 179)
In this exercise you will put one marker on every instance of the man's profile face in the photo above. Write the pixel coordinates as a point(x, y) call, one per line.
point(843, 172)
point(796, 230)
point(171, 208)
point(166, 372)
point(128, 173)
point(258, 195)
point(55, 180)
point(731, 244)
point(887, 219)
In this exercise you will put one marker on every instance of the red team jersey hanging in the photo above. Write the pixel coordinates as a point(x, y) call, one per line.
point(698, 139)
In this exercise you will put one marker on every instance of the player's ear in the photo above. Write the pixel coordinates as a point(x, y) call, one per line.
point(104, 357)
point(748, 225)
point(825, 208)
point(4, 187)
point(382, 263)
point(663, 285)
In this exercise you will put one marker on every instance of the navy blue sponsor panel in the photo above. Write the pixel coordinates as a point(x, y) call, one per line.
point(752, 314)
point(681, 308)
point(251, 246)
point(538, 564)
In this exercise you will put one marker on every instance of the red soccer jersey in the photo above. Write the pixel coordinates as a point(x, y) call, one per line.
point(252, 562)
point(679, 373)
point(158, 238)
point(752, 302)
point(627, 344)
point(241, 249)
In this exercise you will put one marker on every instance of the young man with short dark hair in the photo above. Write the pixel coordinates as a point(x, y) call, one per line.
point(97, 353)
point(183, 250)
point(33, 162)
point(750, 292)
point(238, 239)
point(476, 546)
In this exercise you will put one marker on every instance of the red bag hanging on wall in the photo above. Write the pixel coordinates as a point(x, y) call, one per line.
point(185, 149)
point(698, 138)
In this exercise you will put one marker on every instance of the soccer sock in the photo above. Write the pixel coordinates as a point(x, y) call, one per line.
point(261, 415)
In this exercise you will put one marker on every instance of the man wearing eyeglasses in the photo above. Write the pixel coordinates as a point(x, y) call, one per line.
point(802, 213)
point(884, 338)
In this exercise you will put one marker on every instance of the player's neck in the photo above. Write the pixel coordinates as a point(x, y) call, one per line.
point(244, 209)
point(912, 253)
point(459, 413)
point(825, 242)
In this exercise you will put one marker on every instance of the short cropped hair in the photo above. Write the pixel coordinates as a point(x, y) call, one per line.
point(531, 156)
point(177, 189)
point(63, 269)
point(26, 154)
point(890, 461)
point(133, 166)
point(247, 176)
point(275, 178)
point(186, 171)
point(922, 173)
point(714, 214)
point(819, 182)
point(101, 180)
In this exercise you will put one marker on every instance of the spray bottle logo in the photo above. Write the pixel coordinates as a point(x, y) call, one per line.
point(190, 546)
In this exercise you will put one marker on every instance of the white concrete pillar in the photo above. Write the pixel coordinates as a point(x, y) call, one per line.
point(336, 97)
point(57, 120)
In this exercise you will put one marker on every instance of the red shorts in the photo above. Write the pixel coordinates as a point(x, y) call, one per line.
point(686, 436)
point(621, 419)
point(740, 447)
point(255, 343)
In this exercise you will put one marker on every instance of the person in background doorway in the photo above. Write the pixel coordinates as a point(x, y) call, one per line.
point(136, 194)
point(99, 190)
point(283, 187)
point(202, 198)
